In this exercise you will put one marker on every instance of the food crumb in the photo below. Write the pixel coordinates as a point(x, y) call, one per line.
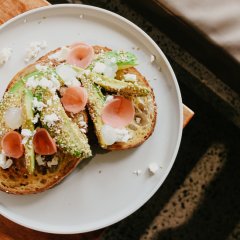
point(81, 16)
point(153, 168)
point(5, 55)
point(25, 20)
point(137, 172)
point(152, 58)
point(100, 171)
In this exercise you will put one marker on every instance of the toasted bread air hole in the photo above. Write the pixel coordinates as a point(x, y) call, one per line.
point(12, 144)
point(43, 142)
point(80, 55)
point(118, 113)
point(74, 99)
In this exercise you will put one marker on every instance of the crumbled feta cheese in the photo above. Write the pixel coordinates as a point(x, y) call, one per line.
point(153, 168)
point(68, 75)
point(50, 119)
point(137, 172)
point(43, 82)
point(55, 83)
point(99, 67)
point(34, 49)
point(36, 118)
point(26, 133)
point(40, 160)
point(108, 69)
point(4, 163)
point(60, 55)
point(138, 120)
point(5, 55)
point(53, 162)
point(152, 58)
point(130, 77)
point(37, 105)
point(112, 135)
point(109, 98)
point(82, 123)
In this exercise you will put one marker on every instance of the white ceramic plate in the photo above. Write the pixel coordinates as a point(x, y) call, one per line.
point(105, 190)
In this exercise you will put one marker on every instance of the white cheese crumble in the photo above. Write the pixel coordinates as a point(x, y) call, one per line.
point(153, 168)
point(99, 67)
point(36, 118)
point(26, 133)
point(5, 55)
point(82, 123)
point(130, 77)
point(107, 69)
point(109, 98)
point(37, 105)
point(68, 75)
point(138, 120)
point(34, 49)
point(137, 172)
point(60, 55)
point(50, 119)
point(40, 160)
point(4, 163)
point(112, 135)
point(43, 82)
point(53, 162)
point(152, 58)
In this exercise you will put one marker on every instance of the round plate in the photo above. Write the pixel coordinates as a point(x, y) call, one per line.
point(105, 190)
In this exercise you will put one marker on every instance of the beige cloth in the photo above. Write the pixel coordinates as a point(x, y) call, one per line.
point(218, 19)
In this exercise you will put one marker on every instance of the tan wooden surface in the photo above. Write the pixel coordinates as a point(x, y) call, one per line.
point(8, 229)
point(11, 8)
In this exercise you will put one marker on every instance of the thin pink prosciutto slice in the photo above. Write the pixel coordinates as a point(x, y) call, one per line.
point(119, 112)
point(74, 99)
point(80, 55)
point(12, 144)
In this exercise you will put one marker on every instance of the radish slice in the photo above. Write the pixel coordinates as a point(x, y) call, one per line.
point(80, 55)
point(74, 99)
point(12, 144)
point(43, 143)
point(13, 117)
point(119, 112)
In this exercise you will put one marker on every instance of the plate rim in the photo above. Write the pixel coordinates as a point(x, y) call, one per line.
point(127, 212)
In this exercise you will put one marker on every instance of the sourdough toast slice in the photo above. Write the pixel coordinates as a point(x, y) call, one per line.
point(145, 111)
point(16, 179)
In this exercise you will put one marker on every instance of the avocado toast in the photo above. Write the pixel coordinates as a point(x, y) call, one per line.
point(119, 100)
point(33, 172)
